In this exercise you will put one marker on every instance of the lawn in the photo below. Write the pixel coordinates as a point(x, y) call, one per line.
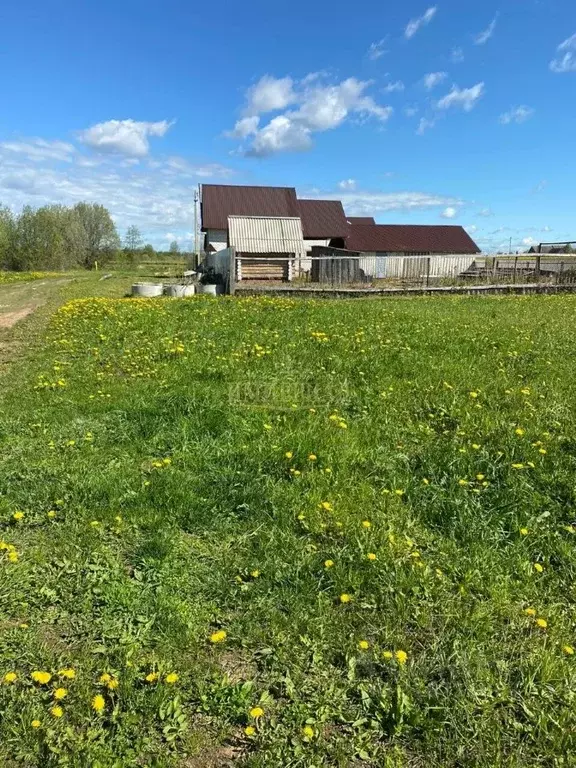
point(274, 533)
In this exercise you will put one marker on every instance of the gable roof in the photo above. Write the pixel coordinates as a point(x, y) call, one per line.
point(266, 234)
point(222, 200)
point(323, 218)
point(361, 220)
point(410, 238)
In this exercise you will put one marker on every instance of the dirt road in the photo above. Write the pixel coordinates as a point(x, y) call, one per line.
point(17, 301)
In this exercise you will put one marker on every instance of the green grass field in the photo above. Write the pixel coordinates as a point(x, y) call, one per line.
point(274, 533)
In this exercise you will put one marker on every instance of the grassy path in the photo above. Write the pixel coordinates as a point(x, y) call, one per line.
point(26, 307)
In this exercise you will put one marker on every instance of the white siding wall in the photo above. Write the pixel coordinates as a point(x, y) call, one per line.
point(217, 238)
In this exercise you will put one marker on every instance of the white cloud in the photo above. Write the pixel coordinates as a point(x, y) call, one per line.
point(320, 107)
point(347, 184)
point(281, 134)
point(415, 24)
point(360, 203)
point(424, 125)
point(449, 212)
point(471, 229)
point(484, 36)
point(540, 187)
point(377, 49)
point(432, 79)
point(393, 87)
point(566, 62)
point(528, 241)
point(156, 196)
point(457, 55)
point(40, 149)
point(244, 127)
point(269, 94)
point(465, 98)
point(127, 137)
point(516, 115)
point(485, 212)
point(410, 111)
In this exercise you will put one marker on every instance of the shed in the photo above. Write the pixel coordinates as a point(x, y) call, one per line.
point(277, 239)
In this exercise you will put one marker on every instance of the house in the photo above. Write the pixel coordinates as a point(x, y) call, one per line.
point(270, 222)
point(274, 233)
point(415, 243)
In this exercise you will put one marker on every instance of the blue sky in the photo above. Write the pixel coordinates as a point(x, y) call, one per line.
point(419, 112)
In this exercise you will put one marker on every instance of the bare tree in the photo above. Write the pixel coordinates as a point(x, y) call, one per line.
point(174, 247)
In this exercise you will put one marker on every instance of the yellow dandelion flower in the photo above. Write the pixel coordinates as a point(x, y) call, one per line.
point(542, 623)
point(363, 645)
point(308, 732)
point(371, 556)
point(256, 712)
point(473, 395)
point(476, 446)
point(57, 711)
point(255, 574)
point(218, 637)
point(387, 655)
point(60, 693)
point(151, 677)
point(401, 657)
point(43, 678)
point(519, 431)
point(312, 457)
point(18, 516)
point(524, 531)
point(13, 556)
point(425, 481)
point(538, 567)
point(480, 477)
point(366, 524)
point(51, 514)
point(98, 704)
point(530, 611)
point(249, 730)
point(288, 454)
point(171, 678)
point(568, 650)
point(399, 492)
point(462, 482)
point(10, 677)
point(68, 673)
point(543, 451)
point(112, 684)
point(326, 505)
point(328, 563)
point(345, 598)
point(36, 723)
point(105, 678)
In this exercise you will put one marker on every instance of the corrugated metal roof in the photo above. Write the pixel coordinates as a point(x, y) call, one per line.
point(222, 200)
point(410, 238)
point(323, 218)
point(361, 220)
point(266, 234)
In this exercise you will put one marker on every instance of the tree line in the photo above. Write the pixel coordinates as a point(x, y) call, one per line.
point(59, 237)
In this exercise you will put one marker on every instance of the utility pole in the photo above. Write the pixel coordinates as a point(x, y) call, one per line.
point(196, 226)
point(510, 248)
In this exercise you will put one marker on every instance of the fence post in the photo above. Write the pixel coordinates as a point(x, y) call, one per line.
point(232, 271)
point(427, 271)
point(515, 267)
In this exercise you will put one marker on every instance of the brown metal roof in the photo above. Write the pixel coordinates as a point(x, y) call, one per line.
point(410, 238)
point(222, 200)
point(361, 220)
point(323, 218)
